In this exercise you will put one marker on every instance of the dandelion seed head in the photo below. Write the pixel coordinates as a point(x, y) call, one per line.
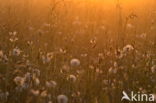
point(153, 69)
point(19, 80)
point(35, 92)
point(62, 99)
point(16, 51)
point(36, 81)
point(72, 78)
point(44, 93)
point(51, 84)
point(128, 48)
point(47, 58)
point(75, 62)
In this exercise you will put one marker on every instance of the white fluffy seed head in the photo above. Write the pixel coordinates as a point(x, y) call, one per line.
point(128, 48)
point(35, 92)
point(19, 81)
point(153, 69)
point(75, 62)
point(51, 84)
point(16, 51)
point(62, 98)
point(72, 78)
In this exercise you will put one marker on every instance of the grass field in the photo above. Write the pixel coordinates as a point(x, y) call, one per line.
point(76, 51)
